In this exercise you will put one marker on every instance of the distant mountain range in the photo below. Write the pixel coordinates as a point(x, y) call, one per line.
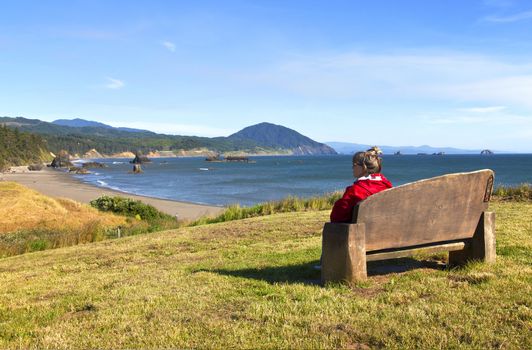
point(80, 123)
point(350, 148)
point(78, 136)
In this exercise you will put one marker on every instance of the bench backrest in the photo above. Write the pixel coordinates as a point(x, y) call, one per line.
point(438, 209)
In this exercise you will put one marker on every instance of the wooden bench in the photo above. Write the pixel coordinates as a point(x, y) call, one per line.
point(444, 213)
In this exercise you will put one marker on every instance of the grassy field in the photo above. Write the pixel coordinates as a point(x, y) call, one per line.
point(250, 284)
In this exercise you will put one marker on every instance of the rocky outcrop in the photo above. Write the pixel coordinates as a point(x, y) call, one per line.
point(305, 150)
point(35, 167)
point(78, 171)
point(195, 152)
point(140, 159)
point(89, 165)
point(62, 160)
point(123, 155)
point(159, 154)
point(93, 153)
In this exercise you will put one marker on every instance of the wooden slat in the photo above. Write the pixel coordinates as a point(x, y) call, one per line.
point(409, 252)
point(443, 208)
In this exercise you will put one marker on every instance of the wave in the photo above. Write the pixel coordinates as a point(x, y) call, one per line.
point(102, 183)
point(118, 162)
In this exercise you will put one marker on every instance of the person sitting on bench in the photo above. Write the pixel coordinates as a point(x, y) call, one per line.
point(367, 168)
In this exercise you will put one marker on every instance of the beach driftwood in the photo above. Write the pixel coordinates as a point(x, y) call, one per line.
point(444, 213)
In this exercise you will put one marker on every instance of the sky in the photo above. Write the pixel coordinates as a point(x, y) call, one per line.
point(386, 72)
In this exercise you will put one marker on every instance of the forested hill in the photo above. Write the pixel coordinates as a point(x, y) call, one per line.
point(20, 148)
point(108, 140)
point(278, 136)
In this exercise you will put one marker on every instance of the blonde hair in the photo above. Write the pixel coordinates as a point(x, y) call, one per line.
point(369, 160)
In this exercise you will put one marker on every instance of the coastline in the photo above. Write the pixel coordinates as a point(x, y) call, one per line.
point(55, 183)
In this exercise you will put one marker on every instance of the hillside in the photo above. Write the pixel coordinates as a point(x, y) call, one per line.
point(31, 220)
point(19, 148)
point(250, 284)
point(23, 208)
point(79, 136)
point(277, 136)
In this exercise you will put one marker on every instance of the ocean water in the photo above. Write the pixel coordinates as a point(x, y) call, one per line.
point(271, 178)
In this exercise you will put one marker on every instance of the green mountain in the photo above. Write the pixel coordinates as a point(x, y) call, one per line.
point(280, 137)
point(108, 140)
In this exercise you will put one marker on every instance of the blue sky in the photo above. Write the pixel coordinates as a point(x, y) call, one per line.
point(443, 73)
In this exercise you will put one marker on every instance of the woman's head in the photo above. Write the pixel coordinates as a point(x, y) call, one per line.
point(368, 162)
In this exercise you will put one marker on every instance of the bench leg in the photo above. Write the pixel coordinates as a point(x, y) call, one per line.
point(343, 253)
point(482, 245)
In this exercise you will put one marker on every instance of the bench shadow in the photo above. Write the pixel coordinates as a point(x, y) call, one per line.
point(299, 273)
point(401, 265)
point(307, 274)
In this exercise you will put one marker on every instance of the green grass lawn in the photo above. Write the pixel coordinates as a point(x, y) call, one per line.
point(250, 284)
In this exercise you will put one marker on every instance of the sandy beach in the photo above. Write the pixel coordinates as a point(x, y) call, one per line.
point(55, 183)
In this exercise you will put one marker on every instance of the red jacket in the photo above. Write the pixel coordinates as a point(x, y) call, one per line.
point(360, 190)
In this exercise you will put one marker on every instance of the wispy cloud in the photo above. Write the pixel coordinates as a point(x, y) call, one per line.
point(114, 84)
point(509, 19)
point(169, 45)
point(419, 76)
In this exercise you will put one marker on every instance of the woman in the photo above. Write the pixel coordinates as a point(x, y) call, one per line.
point(367, 168)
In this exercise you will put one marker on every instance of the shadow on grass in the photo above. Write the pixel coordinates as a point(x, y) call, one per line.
point(307, 274)
point(302, 273)
point(401, 265)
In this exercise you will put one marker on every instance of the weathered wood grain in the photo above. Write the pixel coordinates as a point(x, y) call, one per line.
point(481, 246)
point(343, 253)
point(442, 208)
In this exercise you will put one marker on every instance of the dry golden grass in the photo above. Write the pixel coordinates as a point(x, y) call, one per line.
point(25, 209)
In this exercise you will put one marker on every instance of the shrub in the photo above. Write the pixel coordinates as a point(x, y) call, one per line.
point(522, 192)
point(139, 212)
point(289, 204)
point(129, 207)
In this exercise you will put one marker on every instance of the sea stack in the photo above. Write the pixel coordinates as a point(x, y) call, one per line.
point(137, 161)
point(62, 160)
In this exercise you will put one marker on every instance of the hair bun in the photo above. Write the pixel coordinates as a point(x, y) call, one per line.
point(375, 150)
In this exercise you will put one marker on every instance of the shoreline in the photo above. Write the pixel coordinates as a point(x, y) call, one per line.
point(55, 183)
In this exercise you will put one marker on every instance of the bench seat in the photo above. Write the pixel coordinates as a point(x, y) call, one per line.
point(444, 213)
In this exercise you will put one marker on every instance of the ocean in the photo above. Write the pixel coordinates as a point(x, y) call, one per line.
point(272, 178)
